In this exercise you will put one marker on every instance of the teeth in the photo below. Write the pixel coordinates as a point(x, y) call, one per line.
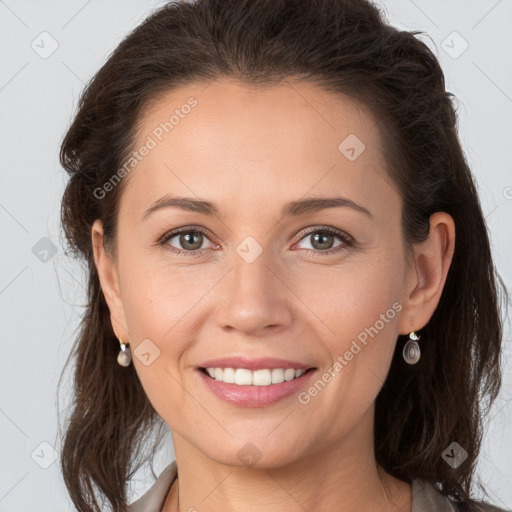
point(244, 377)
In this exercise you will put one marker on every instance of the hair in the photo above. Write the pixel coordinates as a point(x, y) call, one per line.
point(345, 47)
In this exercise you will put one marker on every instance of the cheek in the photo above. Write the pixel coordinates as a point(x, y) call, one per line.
point(156, 294)
point(359, 309)
point(154, 309)
point(156, 305)
point(361, 306)
point(349, 299)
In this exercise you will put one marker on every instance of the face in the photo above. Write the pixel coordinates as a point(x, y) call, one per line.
point(321, 287)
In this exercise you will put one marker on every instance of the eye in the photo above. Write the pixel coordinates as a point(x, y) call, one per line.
point(189, 241)
point(322, 241)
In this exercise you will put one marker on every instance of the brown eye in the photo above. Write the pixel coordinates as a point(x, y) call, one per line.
point(191, 240)
point(323, 240)
point(188, 241)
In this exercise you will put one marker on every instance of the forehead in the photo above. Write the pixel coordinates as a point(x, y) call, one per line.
point(254, 142)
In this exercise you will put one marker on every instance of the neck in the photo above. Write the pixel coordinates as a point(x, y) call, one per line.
point(337, 479)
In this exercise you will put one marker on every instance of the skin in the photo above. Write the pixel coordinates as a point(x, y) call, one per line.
point(250, 151)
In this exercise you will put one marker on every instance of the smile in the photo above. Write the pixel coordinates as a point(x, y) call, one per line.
point(254, 388)
point(262, 377)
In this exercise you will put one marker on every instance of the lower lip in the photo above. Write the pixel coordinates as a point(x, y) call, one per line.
point(255, 396)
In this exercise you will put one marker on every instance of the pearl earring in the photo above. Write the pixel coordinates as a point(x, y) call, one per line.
point(412, 350)
point(124, 358)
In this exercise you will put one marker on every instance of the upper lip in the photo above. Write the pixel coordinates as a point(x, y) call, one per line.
point(253, 364)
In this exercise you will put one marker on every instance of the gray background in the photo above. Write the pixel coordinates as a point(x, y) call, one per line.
point(42, 291)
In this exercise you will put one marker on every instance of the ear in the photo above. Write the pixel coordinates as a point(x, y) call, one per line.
point(109, 281)
point(427, 275)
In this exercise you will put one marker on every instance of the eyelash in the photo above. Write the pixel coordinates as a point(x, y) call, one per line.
point(347, 240)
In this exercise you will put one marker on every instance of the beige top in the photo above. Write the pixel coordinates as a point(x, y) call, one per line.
point(425, 497)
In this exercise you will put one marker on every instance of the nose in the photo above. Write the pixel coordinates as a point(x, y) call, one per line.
point(253, 296)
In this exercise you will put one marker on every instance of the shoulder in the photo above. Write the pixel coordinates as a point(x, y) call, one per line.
point(427, 498)
point(153, 499)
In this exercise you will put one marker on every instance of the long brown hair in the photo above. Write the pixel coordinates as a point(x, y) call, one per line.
point(345, 46)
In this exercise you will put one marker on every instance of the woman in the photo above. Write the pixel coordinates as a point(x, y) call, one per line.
point(218, 139)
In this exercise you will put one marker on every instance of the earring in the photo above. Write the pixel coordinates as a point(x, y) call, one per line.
point(124, 358)
point(412, 350)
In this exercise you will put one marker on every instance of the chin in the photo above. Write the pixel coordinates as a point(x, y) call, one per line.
point(256, 454)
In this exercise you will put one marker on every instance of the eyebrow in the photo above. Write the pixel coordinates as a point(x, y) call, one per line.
point(294, 208)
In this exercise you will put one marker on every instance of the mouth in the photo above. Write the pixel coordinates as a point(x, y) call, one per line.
point(262, 377)
point(263, 387)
